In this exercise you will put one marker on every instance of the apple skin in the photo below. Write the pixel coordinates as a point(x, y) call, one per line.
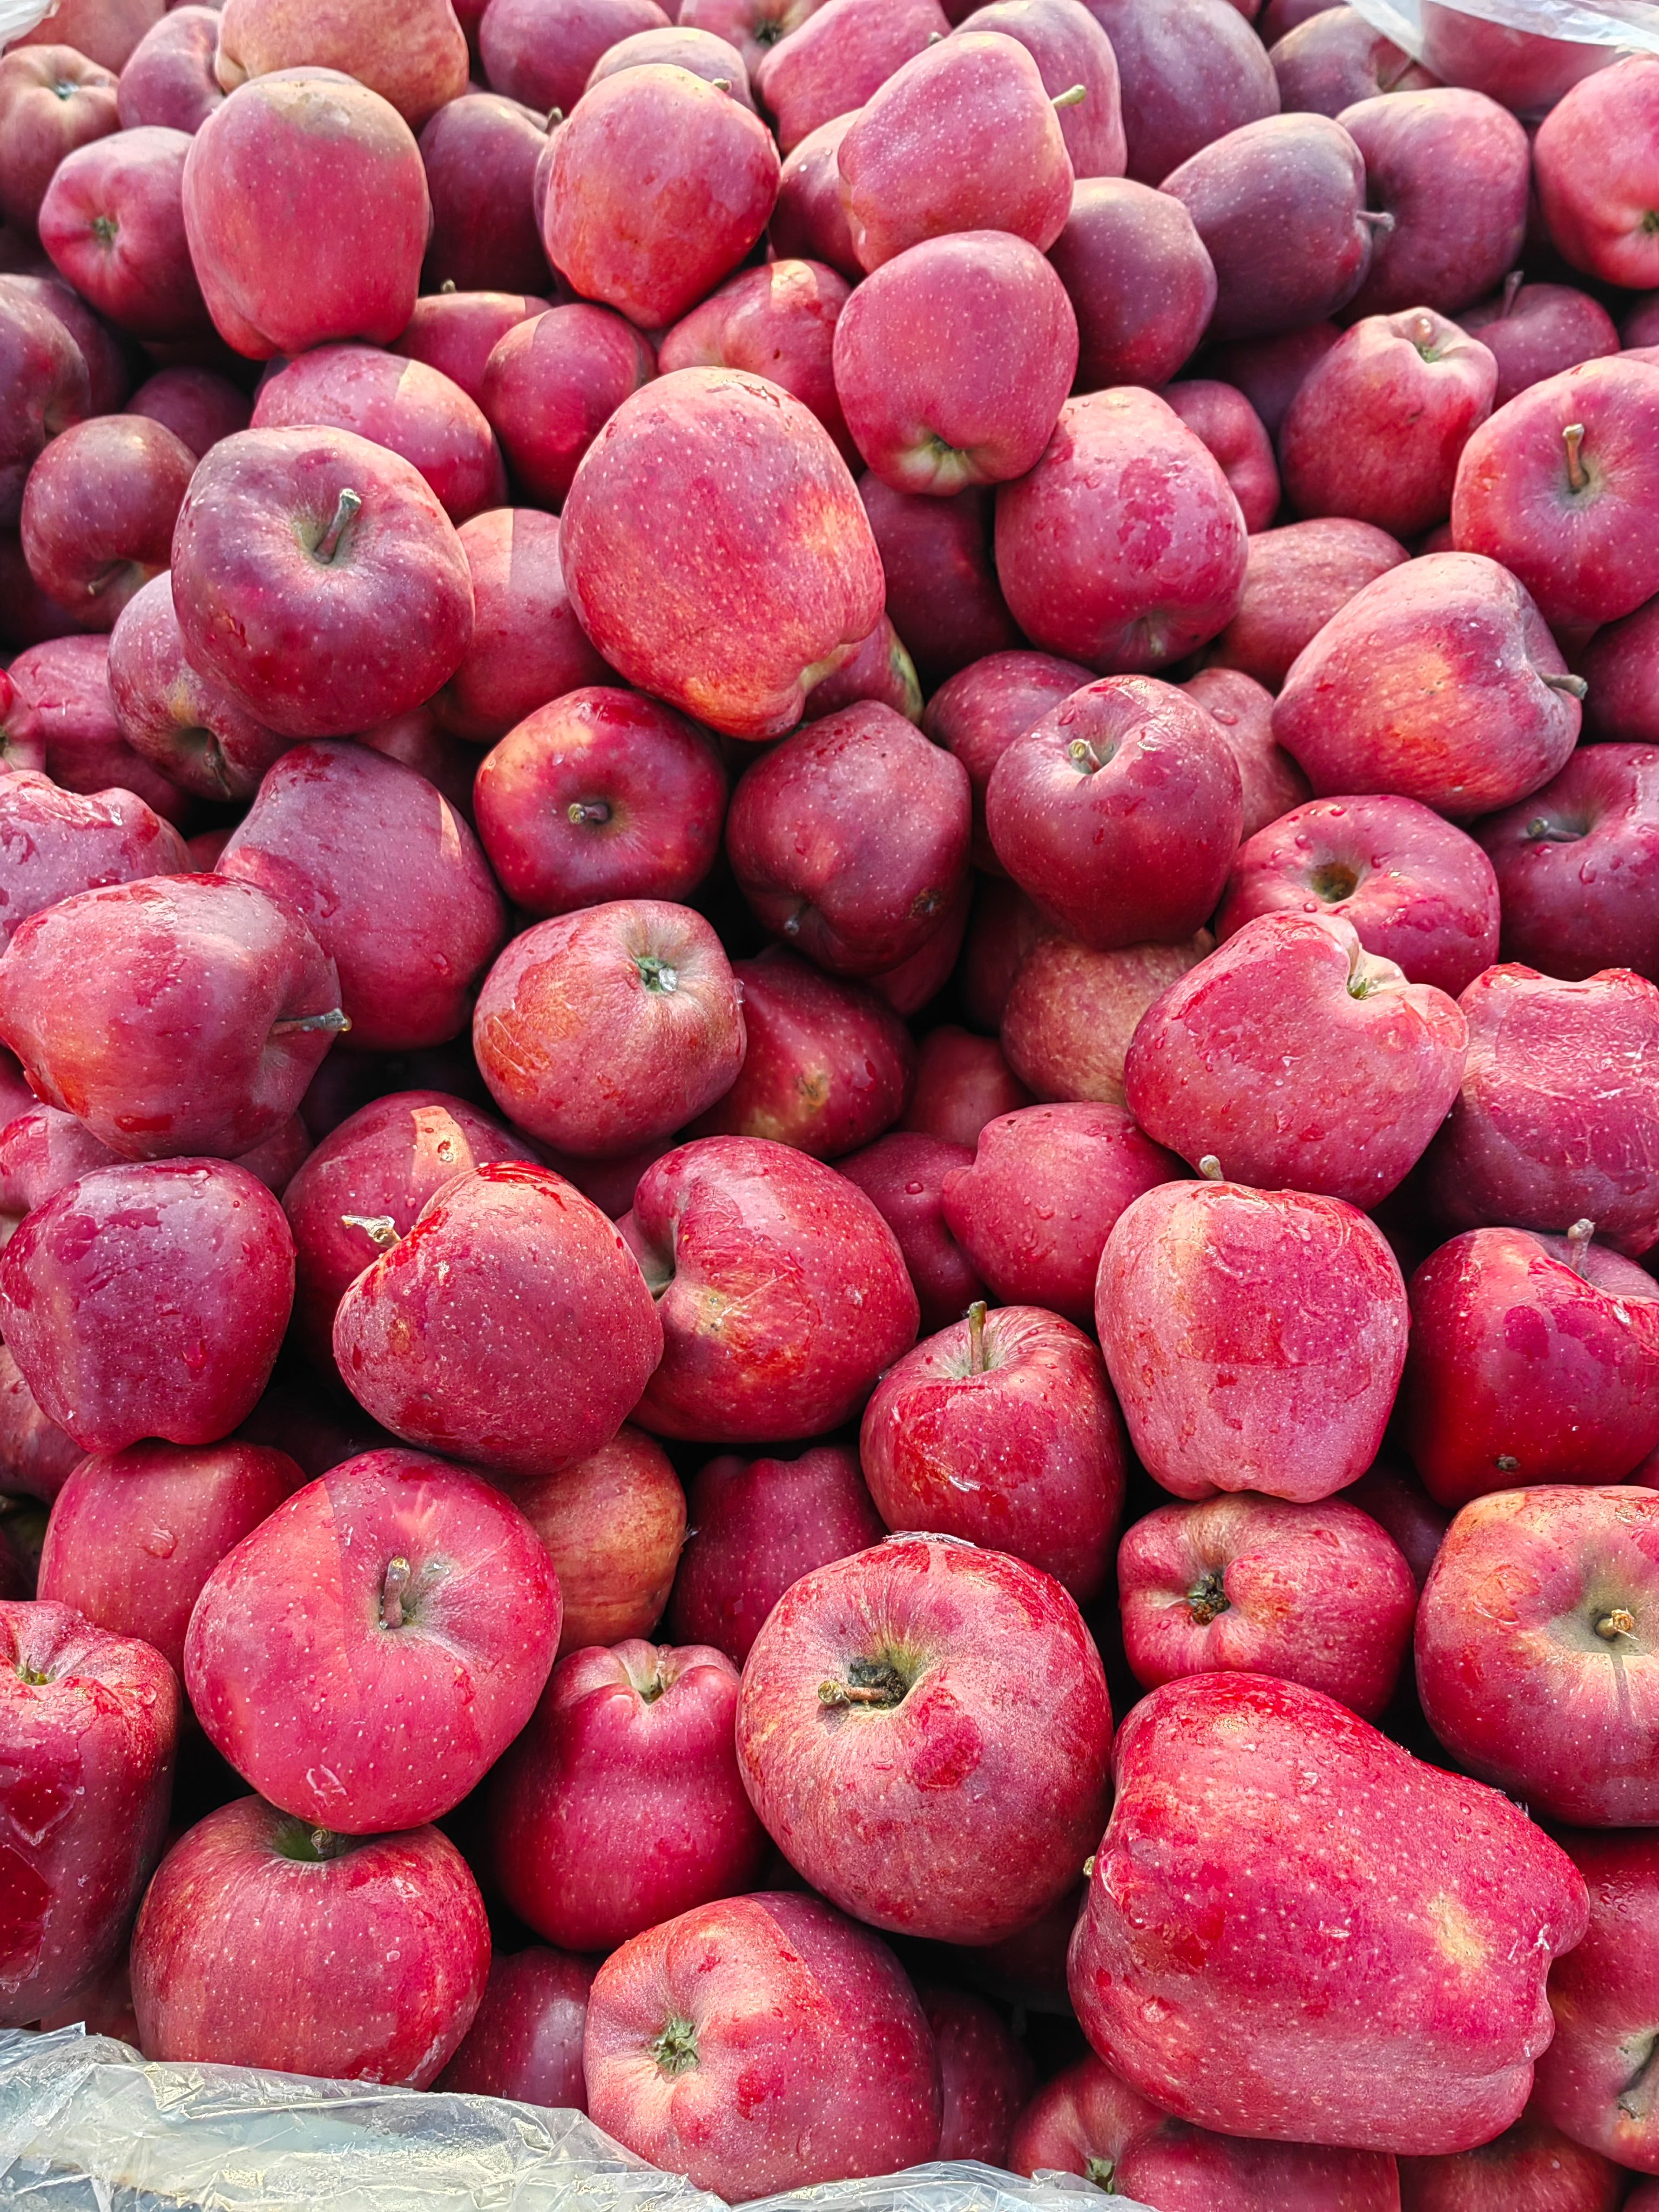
point(1592, 2080)
point(99, 510)
point(822, 70)
point(781, 1292)
point(1523, 70)
point(543, 55)
point(1270, 372)
point(960, 1801)
point(1139, 279)
point(808, 220)
point(1242, 710)
point(89, 1723)
point(317, 644)
point(753, 26)
point(1223, 1064)
point(36, 1456)
point(1330, 61)
point(602, 1030)
point(413, 56)
point(1255, 1338)
point(703, 52)
point(553, 382)
point(52, 100)
point(1223, 421)
point(1458, 1897)
point(1577, 864)
point(1375, 432)
point(1570, 525)
point(48, 386)
point(962, 1082)
point(1124, 547)
point(1086, 2121)
point(660, 184)
point(1316, 1593)
point(113, 221)
point(62, 719)
point(363, 1188)
point(54, 843)
point(1618, 666)
point(479, 153)
point(1536, 330)
point(1001, 1431)
point(1192, 70)
point(1557, 1121)
point(275, 280)
point(1005, 927)
point(760, 1998)
point(1068, 52)
point(424, 1341)
point(952, 362)
point(985, 2074)
point(982, 709)
point(879, 671)
point(1595, 203)
point(1069, 1012)
point(1034, 1210)
point(778, 321)
point(759, 1525)
point(1296, 578)
point(829, 1064)
point(41, 1151)
point(614, 1527)
point(729, 603)
point(357, 1698)
point(1118, 813)
point(1418, 891)
point(1532, 1360)
point(368, 1962)
point(169, 79)
point(943, 597)
point(197, 405)
point(1453, 169)
point(183, 723)
point(827, 860)
point(1438, 681)
point(1531, 2167)
point(526, 2039)
point(903, 1175)
point(457, 332)
point(527, 649)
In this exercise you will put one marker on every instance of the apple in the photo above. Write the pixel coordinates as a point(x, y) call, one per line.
point(195, 405)
point(180, 721)
point(730, 603)
point(89, 1723)
point(754, 27)
point(1413, 2028)
point(1523, 69)
point(1536, 330)
point(526, 647)
point(1139, 277)
point(715, 2045)
point(419, 1339)
point(781, 1292)
point(54, 843)
point(551, 384)
point(543, 54)
point(1592, 2081)
point(1555, 1123)
point(316, 575)
point(821, 70)
point(457, 332)
point(808, 219)
point(36, 1456)
point(135, 1534)
point(1577, 864)
point(1531, 2166)
point(962, 1082)
point(1438, 681)
point(1242, 710)
point(1328, 62)
point(614, 1527)
point(777, 321)
point(62, 719)
point(1224, 422)
point(985, 2074)
point(107, 357)
point(297, 140)
point(902, 1173)
point(1006, 925)
point(981, 709)
point(98, 511)
point(1452, 168)
point(1296, 578)
point(526, 2039)
point(1270, 372)
point(169, 78)
point(943, 596)
point(879, 670)
point(1118, 813)
point(1617, 666)
point(52, 100)
point(1596, 175)
point(1124, 547)
point(1068, 52)
point(703, 52)
point(1192, 70)
point(113, 221)
point(952, 360)
point(414, 57)
point(41, 1151)
point(1069, 1012)
point(372, 1951)
point(106, 31)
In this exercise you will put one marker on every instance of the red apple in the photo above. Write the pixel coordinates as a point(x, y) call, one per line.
point(962, 1082)
point(370, 1953)
point(1069, 1012)
point(1578, 866)
point(36, 1456)
point(1139, 278)
point(1536, 330)
point(703, 52)
point(168, 78)
point(985, 2074)
point(1593, 2080)
point(1331, 60)
point(1452, 168)
point(457, 332)
point(413, 55)
point(808, 219)
point(880, 670)
point(1597, 179)
point(87, 1722)
point(527, 646)
point(62, 719)
point(754, 27)
point(1068, 52)
point(1223, 421)
point(98, 512)
point(195, 405)
point(1532, 2166)
point(551, 384)
point(980, 712)
point(52, 99)
point(480, 154)
point(113, 221)
point(614, 1526)
point(1270, 372)
point(526, 2039)
point(1242, 710)
point(1192, 70)
point(820, 70)
point(1618, 666)
point(543, 55)
point(903, 1175)
point(1523, 69)
point(180, 721)
point(778, 321)
point(1295, 580)
point(943, 597)
point(54, 843)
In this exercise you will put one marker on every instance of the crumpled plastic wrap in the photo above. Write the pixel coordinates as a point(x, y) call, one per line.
point(1631, 24)
point(86, 2125)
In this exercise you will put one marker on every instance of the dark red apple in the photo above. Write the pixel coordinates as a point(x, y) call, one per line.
point(1242, 710)
point(36, 1456)
point(1577, 864)
point(1592, 2081)
point(1452, 168)
point(543, 55)
point(113, 221)
point(1536, 330)
point(821, 70)
point(943, 597)
point(1139, 279)
point(1223, 421)
point(902, 1173)
point(457, 332)
point(54, 843)
point(1270, 372)
point(1331, 60)
point(1532, 2166)
point(1192, 70)
point(778, 321)
point(52, 99)
point(98, 512)
point(962, 1082)
point(526, 2039)
point(197, 404)
point(980, 712)
point(1618, 666)
point(527, 648)
point(808, 219)
point(551, 384)
point(480, 153)
point(181, 721)
point(168, 78)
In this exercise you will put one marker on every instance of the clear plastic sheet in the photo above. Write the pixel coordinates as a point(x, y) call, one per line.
point(86, 2126)
point(1620, 23)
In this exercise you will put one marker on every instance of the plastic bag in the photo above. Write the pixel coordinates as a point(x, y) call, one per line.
point(1523, 53)
point(17, 16)
point(86, 2125)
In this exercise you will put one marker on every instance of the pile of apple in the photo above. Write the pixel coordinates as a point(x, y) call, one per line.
point(843, 768)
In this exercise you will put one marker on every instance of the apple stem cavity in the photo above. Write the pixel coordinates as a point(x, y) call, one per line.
point(675, 2049)
point(1073, 96)
point(379, 1227)
point(347, 508)
point(1612, 1625)
point(1577, 475)
point(1577, 1237)
point(1208, 1599)
point(336, 1021)
point(1210, 1168)
point(394, 1584)
point(976, 1337)
point(1574, 686)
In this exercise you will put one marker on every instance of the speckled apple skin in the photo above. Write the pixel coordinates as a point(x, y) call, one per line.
point(1594, 2082)
point(965, 1810)
point(1530, 2167)
point(526, 2039)
point(1296, 1928)
point(778, 1990)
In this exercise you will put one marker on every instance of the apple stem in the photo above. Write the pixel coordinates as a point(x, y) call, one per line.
point(976, 1337)
point(1081, 754)
point(448, 285)
point(326, 1844)
point(852, 1693)
point(379, 1227)
point(555, 117)
point(1574, 686)
point(720, 83)
point(1073, 96)
point(1088, 1866)
point(392, 1587)
point(1541, 832)
point(1377, 219)
point(586, 810)
point(1573, 438)
point(336, 1021)
point(1613, 1625)
point(1210, 1168)
point(1577, 1237)
point(347, 508)
point(1512, 285)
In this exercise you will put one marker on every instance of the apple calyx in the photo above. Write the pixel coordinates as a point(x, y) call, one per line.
point(657, 975)
point(33, 1677)
point(1208, 1599)
point(1507, 1463)
point(381, 1229)
point(1073, 96)
point(336, 1021)
point(674, 2047)
point(1614, 1624)
point(1333, 882)
point(347, 508)
point(875, 1683)
point(1572, 436)
point(394, 1586)
point(976, 1337)
point(720, 83)
point(1100, 2171)
point(1577, 1237)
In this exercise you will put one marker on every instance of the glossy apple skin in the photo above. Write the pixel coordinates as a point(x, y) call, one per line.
point(275, 280)
point(543, 55)
point(1452, 168)
point(781, 1292)
point(88, 1722)
point(953, 1814)
point(759, 1525)
point(962, 1082)
point(351, 1717)
point(1618, 666)
point(808, 220)
point(831, 68)
point(981, 709)
point(1086, 2121)
point(1595, 204)
point(985, 2076)
point(754, 27)
point(113, 221)
point(62, 719)
point(1578, 864)
point(1139, 279)
point(1316, 1594)
point(36, 1456)
point(1124, 547)
point(829, 1064)
point(1531, 2167)
point(457, 332)
point(1068, 52)
point(778, 321)
point(379, 1951)
point(1331, 61)
point(510, 1328)
point(52, 100)
point(1119, 813)
point(879, 669)
point(1555, 1123)
point(183, 723)
point(46, 375)
point(526, 2039)
point(168, 78)
point(1591, 2081)
point(1536, 330)
point(1438, 681)
point(134, 1535)
point(1583, 551)
point(1223, 421)
point(1295, 580)
point(197, 404)
point(1023, 1452)
point(614, 1527)
point(414, 57)
point(1531, 1362)
point(551, 383)
point(111, 1290)
point(526, 647)
point(1418, 891)
point(728, 603)
point(765, 1995)
point(902, 1173)
point(943, 597)
point(705, 53)
point(1455, 1910)
point(54, 843)
point(1069, 1012)
point(1242, 710)
point(1255, 1339)
point(98, 510)
point(1223, 1064)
